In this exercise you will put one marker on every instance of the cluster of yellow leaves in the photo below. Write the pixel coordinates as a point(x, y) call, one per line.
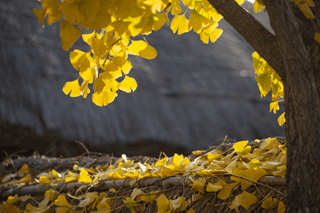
point(203, 19)
point(269, 158)
point(114, 23)
point(110, 56)
point(267, 79)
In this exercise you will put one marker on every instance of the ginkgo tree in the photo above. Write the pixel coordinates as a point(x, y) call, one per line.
point(286, 63)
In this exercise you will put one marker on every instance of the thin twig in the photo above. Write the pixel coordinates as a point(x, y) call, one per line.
point(87, 151)
point(258, 184)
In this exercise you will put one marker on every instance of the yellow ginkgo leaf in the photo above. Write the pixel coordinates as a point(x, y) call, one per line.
point(281, 119)
point(178, 205)
point(241, 148)
point(25, 179)
point(146, 198)
point(104, 205)
point(274, 106)
point(305, 9)
point(73, 87)
point(212, 157)
point(142, 49)
point(198, 185)
point(224, 193)
point(54, 13)
point(215, 34)
point(197, 21)
point(7, 207)
point(213, 188)
point(88, 75)
point(84, 89)
point(254, 163)
point(256, 62)
point(163, 204)
point(84, 177)
point(231, 166)
point(62, 201)
point(198, 152)
point(51, 194)
point(264, 83)
point(24, 169)
point(176, 9)
point(281, 207)
point(12, 199)
point(204, 37)
point(103, 98)
point(128, 84)
point(269, 203)
point(177, 159)
point(76, 58)
point(69, 34)
point(180, 23)
point(30, 208)
point(240, 1)
point(99, 84)
point(40, 14)
point(159, 20)
point(258, 6)
point(210, 27)
point(253, 174)
point(245, 199)
point(126, 67)
point(269, 143)
point(88, 37)
point(136, 192)
point(44, 180)
point(191, 211)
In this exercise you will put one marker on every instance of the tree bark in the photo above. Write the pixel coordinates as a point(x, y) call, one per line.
point(299, 54)
point(301, 59)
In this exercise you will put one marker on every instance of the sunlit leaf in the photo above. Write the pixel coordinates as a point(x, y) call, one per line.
point(274, 106)
point(84, 177)
point(258, 6)
point(197, 21)
point(180, 23)
point(103, 98)
point(281, 119)
point(240, 147)
point(142, 49)
point(128, 84)
point(88, 37)
point(73, 87)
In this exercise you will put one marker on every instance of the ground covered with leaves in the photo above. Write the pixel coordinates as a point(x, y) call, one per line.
point(239, 177)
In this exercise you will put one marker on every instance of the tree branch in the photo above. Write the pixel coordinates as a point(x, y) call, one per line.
point(264, 42)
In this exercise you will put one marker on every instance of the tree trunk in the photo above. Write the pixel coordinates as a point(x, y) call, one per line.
point(300, 55)
point(302, 105)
